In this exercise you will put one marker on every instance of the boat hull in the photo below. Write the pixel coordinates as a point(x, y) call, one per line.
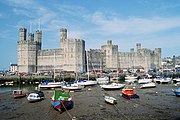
point(129, 94)
point(62, 105)
point(110, 100)
point(134, 96)
point(148, 85)
point(177, 92)
point(112, 87)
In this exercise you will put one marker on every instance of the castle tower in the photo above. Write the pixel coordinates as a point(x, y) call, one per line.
point(22, 32)
point(39, 39)
point(63, 36)
point(22, 51)
point(111, 55)
point(27, 52)
point(138, 46)
point(30, 37)
point(158, 57)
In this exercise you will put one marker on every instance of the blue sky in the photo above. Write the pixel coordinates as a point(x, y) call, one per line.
point(153, 23)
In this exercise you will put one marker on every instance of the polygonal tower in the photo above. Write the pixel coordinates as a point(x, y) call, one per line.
point(63, 36)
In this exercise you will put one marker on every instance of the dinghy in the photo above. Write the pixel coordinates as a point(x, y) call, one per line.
point(110, 100)
point(176, 91)
point(129, 94)
point(35, 96)
point(148, 85)
point(18, 94)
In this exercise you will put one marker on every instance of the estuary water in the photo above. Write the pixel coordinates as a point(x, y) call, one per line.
point(24, 87)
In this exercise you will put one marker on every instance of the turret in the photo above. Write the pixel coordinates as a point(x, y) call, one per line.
point(30, 37)
point(39, 38)
point(138, 46)
point(63, 36)
point(22, 32)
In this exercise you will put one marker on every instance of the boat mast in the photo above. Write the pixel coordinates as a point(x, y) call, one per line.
point(54, 63)
point(87, 63)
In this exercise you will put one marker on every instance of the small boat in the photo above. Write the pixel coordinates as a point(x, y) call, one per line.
point(162, 80)
point(50, 84)
point(148, 85)
point(176, 91)
point(73, 86)
point(110, 100)
point(18, 94)
point(130, 79)
point(61, 101)
point(129, 94)
point(103, 80)
point(35, 96)
point(112, 86)
point(176, 80)
point(145, 80)
point(86, 82)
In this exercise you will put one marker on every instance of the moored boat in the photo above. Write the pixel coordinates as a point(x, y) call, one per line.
point(86, 82)
point(73, 86)
point(61, 101)
point(18, 94)
point(144, 80)
point(148, 85)
point(129, 93)
point(112, 86)
point(50, 84)
point(102, 80)
point(35, 96)
point(176, 91)
point(110, 100)
point(176, 80)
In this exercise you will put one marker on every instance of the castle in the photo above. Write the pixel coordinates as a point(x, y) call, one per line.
point(71, 56)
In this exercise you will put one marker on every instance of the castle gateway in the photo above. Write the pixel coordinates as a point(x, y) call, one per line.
point(71, 55)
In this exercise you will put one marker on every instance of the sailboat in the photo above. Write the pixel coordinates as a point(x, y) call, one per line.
point(86, 82)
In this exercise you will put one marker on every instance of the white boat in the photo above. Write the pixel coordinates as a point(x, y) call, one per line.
point(112, 86)
point(148, 85)
point(102, 80)
point(50, 85)
point(73, 87)
point(162, 80)
point(86, 82)
point(130, 79)
point(35, 96)
point(145, 80)
point(110, 100)
point(175, 80)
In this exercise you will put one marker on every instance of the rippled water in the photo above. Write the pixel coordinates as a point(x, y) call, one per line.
point(24, 87)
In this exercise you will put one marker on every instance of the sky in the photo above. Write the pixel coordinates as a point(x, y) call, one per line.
point(153, 23)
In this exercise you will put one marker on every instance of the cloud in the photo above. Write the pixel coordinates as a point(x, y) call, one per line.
point(133, 25)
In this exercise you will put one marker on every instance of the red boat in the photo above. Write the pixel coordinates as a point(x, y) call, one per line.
point(129, 94)
point(18, 94)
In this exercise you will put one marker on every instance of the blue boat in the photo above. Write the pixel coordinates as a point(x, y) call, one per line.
point(177, 92)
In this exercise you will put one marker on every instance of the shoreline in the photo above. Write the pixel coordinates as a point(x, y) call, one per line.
point(154, 104)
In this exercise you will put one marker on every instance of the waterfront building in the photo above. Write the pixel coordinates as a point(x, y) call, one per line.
point(13, 68)
point(71, 55)
point(109, 58)
point(31, 58)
